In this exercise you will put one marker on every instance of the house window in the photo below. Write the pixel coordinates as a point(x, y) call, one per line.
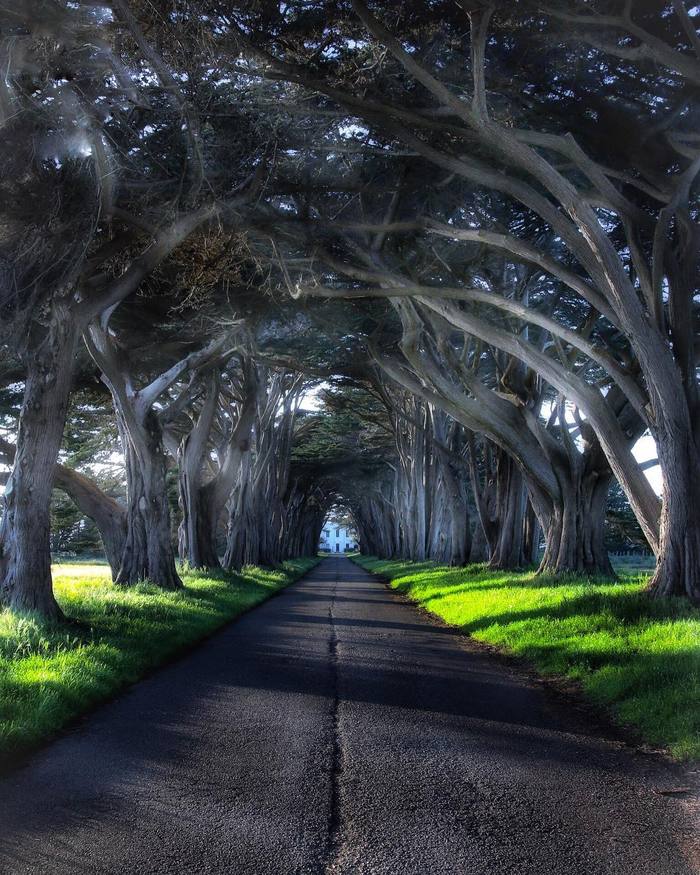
point(326, 533)
point(337, 533)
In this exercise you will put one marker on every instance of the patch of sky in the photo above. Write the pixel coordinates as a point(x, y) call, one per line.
point(644, 450)
point(352, 130)
point(311, 399)
point(607, 219)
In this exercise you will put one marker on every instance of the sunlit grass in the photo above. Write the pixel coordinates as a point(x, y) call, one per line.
point(49, 675)
point(638, 656)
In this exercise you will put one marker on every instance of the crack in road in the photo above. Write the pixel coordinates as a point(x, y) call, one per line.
point(336, 766)
point(337, 730)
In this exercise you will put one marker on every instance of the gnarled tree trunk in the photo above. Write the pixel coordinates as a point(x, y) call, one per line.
point(197, 532)
point(479, 551)
point(678, 561)
point(502, 504)
point(203, 503)
point(148, 550)
point(575, 536)
point(25, 556)
point(199, 526)
point(258, 527)
point(242, 541)
point(575, 539)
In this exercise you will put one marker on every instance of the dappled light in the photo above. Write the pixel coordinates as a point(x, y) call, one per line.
point(293, 294)
point(637, 656)
point(50, 675)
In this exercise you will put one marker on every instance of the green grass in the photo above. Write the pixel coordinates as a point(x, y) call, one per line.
point(639, 657)
point(51, 674)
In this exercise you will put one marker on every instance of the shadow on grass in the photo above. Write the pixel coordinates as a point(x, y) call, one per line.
point(626, 607)
point(638, 655)
point(50, 673)
point(456, 715)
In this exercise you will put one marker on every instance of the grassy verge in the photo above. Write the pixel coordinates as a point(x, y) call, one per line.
point(639, 657)
point(49, 675)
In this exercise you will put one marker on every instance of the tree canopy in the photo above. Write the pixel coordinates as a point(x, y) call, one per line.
point(470, 230)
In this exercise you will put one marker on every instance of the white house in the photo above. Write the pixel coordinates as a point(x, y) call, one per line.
point(336, 538)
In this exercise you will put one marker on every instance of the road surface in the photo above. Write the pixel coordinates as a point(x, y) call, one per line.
point(336, 729)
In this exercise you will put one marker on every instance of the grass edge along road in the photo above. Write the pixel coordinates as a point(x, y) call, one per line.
point(50, 675)
point(638, 657)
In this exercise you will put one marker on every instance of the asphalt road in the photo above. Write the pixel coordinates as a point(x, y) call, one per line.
point(336, 729)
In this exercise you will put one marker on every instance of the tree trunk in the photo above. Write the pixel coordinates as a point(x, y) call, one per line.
point(531, 534)
point(148, 551)
point(459, 526)
point(509, 548)
point(242, 546)
point(678, 562)
point(575, 541)
point(199, 526)
point(197, 531)
point(25, 555)
point(106, 512)
point(480, 549)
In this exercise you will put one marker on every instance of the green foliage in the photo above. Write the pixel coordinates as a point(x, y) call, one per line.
point(49, 675)
point(71, 532)
point(638, 656)
point(90, 437)
point(350, 432)
point(622, 531)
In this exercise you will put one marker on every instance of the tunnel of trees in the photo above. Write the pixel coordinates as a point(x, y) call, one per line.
point(468, 231)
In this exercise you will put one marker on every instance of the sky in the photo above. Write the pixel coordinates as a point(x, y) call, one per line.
point(643, 450)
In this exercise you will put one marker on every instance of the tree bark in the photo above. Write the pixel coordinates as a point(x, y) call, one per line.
point(575, 540)
point(242, 543)
point(480, 549)
point(25, 555)
point(148, 550)
point(197, 532)
point(509, 548)
point(678, 561)
point(199, 526)
point(455, 521)
point(258, 529)
point(204, 504)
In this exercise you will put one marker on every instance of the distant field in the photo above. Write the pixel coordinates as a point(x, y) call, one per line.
point(49, 675)
point(633, 564)
point(637, 656)
point(80, 569)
